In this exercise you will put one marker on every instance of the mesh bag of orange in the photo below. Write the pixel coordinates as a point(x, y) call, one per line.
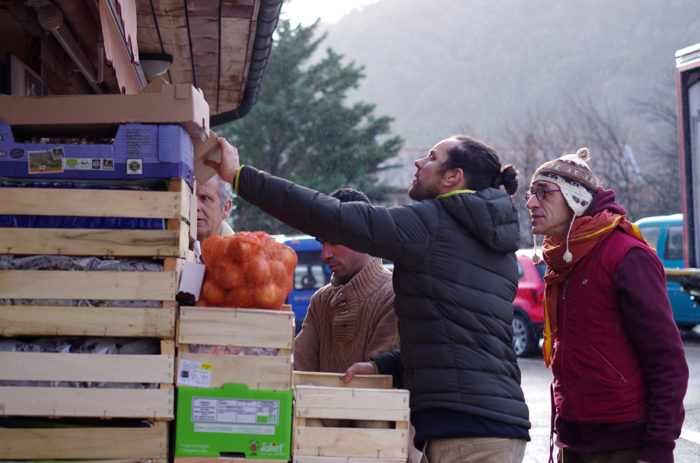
point(248, 270)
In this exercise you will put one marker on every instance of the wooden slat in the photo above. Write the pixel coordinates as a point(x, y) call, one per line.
point(53, 284)
point(350, 442)
point(351, 403)
point(310, 459)
point(313, 378)
point(258, 372)
point(236, 327)
point(87, 402)
point(85, 443)
point(90, 203)
point(94, 242)
point(47, 366)
point(44, 320)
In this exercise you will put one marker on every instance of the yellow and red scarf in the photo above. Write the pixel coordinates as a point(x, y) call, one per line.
point(586, 232)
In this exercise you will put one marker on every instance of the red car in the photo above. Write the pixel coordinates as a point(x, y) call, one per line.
point(528, 315)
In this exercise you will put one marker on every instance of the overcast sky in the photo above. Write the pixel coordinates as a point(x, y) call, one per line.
point(330, 11)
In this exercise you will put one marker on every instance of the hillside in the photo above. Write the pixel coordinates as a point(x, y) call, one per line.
point(450, 66)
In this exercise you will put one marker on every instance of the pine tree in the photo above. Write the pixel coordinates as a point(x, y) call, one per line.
point(302, 128)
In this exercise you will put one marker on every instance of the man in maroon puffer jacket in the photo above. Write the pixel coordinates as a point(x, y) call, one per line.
point(619, 366)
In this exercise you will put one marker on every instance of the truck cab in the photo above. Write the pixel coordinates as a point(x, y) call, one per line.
point(688, 79)
point(665, 233)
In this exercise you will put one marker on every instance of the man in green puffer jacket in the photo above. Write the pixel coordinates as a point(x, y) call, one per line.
point(455, 277)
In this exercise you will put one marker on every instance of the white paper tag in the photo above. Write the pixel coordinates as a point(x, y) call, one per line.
point(192, 279)
point(191, 373)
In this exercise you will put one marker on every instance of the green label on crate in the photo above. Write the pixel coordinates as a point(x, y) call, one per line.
point(236, 412)
point(233, 420)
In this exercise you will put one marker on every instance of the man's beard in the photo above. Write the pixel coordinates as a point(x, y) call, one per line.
point(419, 191)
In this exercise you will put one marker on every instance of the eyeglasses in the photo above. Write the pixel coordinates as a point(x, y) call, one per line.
point(540, 193)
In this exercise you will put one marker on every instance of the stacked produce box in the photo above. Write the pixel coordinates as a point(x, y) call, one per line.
point(235, 363)
point(235, 390)
point(93, 240)
point(97, 359)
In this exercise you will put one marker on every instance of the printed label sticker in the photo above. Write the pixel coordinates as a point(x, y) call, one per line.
point(196, 374)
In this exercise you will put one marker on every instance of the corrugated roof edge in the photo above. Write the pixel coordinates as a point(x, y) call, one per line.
point(268, 16)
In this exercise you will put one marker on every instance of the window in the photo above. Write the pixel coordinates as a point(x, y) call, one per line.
point(651, 234)
point(310, 272)
point(674, 243)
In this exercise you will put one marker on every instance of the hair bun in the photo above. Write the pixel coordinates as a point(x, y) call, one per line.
point(498, 180)
point(584, 154)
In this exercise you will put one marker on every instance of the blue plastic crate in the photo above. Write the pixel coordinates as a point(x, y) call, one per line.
point(137, 152)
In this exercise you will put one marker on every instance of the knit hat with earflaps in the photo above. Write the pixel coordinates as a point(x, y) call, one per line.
point(576, 181)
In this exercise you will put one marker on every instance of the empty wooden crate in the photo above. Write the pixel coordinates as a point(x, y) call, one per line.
point(366, 425)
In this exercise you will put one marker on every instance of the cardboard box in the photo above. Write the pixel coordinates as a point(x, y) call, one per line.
point(158, 103)
point(233, 421)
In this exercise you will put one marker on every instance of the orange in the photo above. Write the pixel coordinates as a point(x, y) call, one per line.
point(213, 293)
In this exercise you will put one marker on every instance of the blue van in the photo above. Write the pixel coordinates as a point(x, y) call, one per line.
point(311, 274)
point(665, 232)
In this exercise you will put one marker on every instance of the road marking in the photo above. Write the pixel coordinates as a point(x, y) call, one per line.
point(692, 436)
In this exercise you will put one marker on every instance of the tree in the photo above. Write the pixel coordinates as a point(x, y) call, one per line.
point(640, 165)
point(301, 128)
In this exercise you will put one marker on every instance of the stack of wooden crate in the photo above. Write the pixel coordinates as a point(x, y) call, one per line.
point(234, 384)
point(106, 422)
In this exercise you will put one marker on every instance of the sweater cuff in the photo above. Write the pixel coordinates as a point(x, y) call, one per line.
point(657, 452)
point(236, 179)
point(376, 368)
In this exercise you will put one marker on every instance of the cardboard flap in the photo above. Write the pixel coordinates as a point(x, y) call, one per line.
point(206, 149)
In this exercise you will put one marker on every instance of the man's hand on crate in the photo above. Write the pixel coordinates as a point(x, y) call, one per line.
point(359, 368)
point(229, 164)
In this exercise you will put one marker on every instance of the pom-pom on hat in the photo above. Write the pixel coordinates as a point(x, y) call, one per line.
point(572, 175)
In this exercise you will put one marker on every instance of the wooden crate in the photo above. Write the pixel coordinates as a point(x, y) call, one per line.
point(385, 411)
point(178, 206)
point(171, 246)
point(249, 328)
point(95, 437)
